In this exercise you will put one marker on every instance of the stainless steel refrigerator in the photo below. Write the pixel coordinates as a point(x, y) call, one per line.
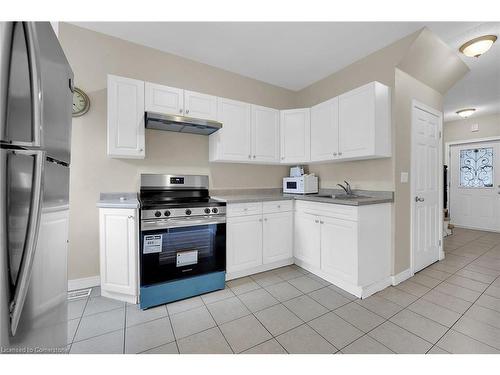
point(36, 84)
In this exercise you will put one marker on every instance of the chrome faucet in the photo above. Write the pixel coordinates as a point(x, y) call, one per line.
point(346, 188)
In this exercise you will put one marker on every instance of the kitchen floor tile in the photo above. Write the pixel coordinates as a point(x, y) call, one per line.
point(457, 291)
point(435, 274)
point(380, 306)
point(269, 347)
point(283, 291)
point(435, 312)
point(258, 299)
point(244, 333)
point(449, 302)
point(413, 288)
point(479, 331)
point(437, 350)
point(100, 304)
point(137, 316)
point(458, 343)
point(419, 325)
point(399, 340)
point(75, 308)
point(148, 335)
point(210, 341)
point(243, 285)
point(72, 326)
point(305, 284)
point(359, 317)
point(304, 340)
point(489, 302)
point(493, 291)
point(100, 323)
point(267, 278)
point(329, 298)
point(288, 273)
point(397, 296)
point(227, 310)
point(467, 283)
point(366, 345)
point(110, 343)
point(343, 292)
point(218, 295)
point(278, 319)
point(481, 277)
point(335, 329)
point(95, 292)
point(192, 321)
point(184, 305)
point(484, 315)
point(170, 348)
point(424, 280)
point(305, 307)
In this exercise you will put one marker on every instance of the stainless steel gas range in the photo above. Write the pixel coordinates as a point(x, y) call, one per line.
point(183, 239)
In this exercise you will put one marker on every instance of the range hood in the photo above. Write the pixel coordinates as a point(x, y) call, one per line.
point(181, 124)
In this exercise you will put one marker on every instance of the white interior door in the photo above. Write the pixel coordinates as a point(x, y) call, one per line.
point(475, 185)
point(426, 167)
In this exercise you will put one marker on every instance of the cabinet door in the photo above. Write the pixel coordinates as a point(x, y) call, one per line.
point(325, 130)
point(164, 99)
point(125, 118)
point(307, 239)
point(118, 250)
point(244, 243)
point(356, 122)
point(339, 248)
point(265, 134)
point(234, 137)
point(199, 105)
point(277, 242)
point(295, 134)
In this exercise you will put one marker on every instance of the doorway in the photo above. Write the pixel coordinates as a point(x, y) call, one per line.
point(426, 186)
point(475, 185)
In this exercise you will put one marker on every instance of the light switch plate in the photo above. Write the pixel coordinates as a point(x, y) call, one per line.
point(404, 177)
point(474, 127)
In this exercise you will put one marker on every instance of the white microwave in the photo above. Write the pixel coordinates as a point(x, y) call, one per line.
point(306, 184)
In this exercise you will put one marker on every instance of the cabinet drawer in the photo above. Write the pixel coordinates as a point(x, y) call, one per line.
point(277, 206)
point(244, 209)
point(328, 209)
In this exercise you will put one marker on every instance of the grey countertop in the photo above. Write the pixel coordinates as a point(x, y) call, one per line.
point(118, 200)
point(372, 197)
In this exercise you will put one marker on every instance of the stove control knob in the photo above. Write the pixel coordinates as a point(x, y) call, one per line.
point(188, 212)
point(207, 210)
point(166, 213)
point(157, 213)
point(215, 210)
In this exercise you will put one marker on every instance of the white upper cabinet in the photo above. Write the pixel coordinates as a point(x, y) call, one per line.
point(364, 122)
point(233, 141)
point(125, 118)
point(164, 99)
point(265, 134)
point(325, 130)
point(199, 105)
point(295, 134)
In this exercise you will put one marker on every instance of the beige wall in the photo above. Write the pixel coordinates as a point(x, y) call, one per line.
point(92, 56)
point(489, 126)
point(407, 88)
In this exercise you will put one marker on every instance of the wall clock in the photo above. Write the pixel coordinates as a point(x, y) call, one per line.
point(81, 102)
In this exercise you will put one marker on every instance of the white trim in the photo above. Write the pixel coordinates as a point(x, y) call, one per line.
point(84, 282)
point(414, 105)
point(258, 269)
point(402, 276)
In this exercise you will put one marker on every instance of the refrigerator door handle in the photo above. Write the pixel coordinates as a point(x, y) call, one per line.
point(35, 82)
point(28, 256)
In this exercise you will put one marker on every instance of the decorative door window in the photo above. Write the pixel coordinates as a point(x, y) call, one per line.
point(476, 168)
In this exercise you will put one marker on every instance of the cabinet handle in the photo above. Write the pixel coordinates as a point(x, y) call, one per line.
point(334, 154)
point(260, 220)
point(180, 110)
point(340, 153)
point(249, 156)
point(322, 222)
point(316, 221)
point(130, 217)
point(187, 111)
point(141, 150)
point(282, 158)
point(245, 209)
point(265, 219)
point(254, 156)
point(279, 206)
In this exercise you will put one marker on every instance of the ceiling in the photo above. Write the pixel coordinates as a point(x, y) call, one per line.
point(310, 51)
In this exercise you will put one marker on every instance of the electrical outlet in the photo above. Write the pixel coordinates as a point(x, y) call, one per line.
point(404, 177)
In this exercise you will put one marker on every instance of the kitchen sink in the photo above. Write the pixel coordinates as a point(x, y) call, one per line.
point(342, 196)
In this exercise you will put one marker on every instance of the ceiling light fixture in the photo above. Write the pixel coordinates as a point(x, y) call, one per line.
point(466, 112)
point(477, 46)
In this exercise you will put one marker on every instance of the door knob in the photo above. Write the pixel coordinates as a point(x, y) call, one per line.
point(419, 199)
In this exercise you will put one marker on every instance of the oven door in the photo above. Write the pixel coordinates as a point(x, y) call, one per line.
point(177, 248)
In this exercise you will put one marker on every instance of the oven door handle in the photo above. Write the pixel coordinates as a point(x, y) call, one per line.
point(155, 224)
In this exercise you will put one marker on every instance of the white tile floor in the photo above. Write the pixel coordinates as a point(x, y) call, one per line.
point(452, 306)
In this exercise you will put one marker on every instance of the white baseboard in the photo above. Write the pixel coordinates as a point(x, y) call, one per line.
point(85, 282)
point(402, 276)
point(262, 268)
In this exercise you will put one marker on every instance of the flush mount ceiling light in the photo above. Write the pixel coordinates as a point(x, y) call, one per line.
point(477, 46)
point(466, 112)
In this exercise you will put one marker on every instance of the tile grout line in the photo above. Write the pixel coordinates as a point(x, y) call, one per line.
point(173, 332)
point(217, 324)
point(78, 326)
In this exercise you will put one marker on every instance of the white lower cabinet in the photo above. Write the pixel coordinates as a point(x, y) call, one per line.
point(349, 246)
point(259, 237)
point(119, 244)
point(244, 241)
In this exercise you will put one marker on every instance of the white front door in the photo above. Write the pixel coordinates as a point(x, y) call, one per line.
point(475, 185)
point(426, 159)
